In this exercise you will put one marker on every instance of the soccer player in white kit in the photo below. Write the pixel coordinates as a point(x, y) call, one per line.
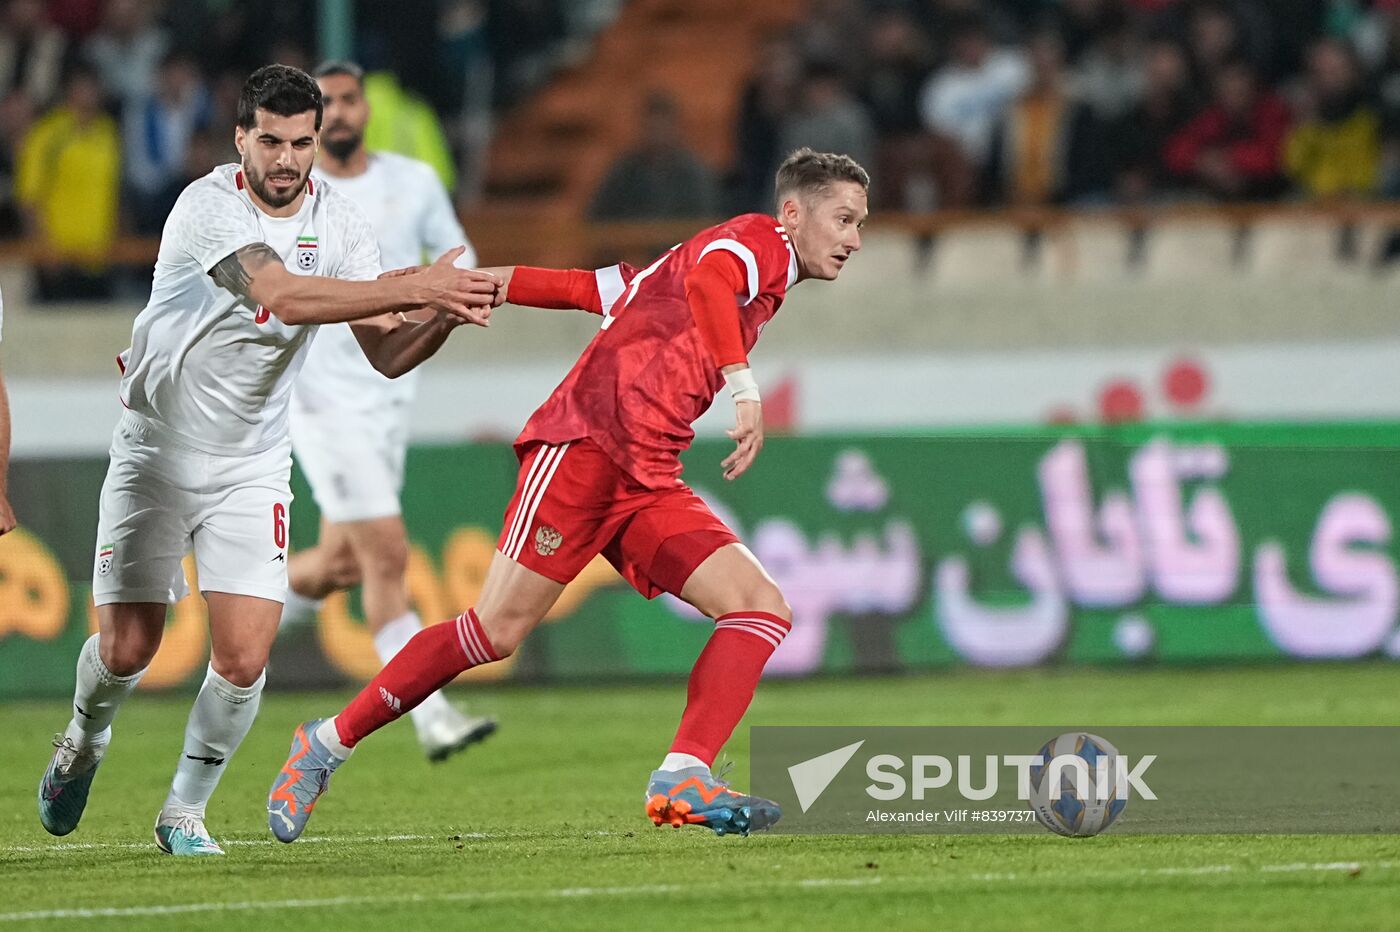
point(350, 424)
point(252, 257)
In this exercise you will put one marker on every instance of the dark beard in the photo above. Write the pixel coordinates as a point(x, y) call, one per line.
point(260, 187)
point(342, 149)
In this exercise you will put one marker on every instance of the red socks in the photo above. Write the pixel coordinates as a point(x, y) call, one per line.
point(430, 660)
point(723, 680)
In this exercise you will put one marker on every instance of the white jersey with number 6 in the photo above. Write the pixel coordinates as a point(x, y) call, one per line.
point(413, 219)
point(210, 367)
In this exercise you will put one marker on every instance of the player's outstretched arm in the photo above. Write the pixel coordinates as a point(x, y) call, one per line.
point(257, 273)
point(550, 289)
point(396, 343)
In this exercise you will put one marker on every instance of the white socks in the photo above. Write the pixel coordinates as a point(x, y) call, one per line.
point(220, 718)
point(388, 641)
point(682, 762)
point(327, 735)
point(97, 696)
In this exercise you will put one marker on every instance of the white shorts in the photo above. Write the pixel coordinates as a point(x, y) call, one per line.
point(162, 497)
point(353, 462)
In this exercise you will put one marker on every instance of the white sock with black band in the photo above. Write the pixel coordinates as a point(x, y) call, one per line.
point(220, 718)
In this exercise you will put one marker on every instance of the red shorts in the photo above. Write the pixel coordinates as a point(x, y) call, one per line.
point(572, 503)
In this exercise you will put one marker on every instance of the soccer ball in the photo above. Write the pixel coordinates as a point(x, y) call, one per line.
point(1059, 806)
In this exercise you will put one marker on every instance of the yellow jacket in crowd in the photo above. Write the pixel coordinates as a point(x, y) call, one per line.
point(67, 174)
point(1332, 159)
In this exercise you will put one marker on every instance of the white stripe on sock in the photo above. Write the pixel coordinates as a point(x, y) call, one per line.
point(462, 636)
point(756, 632)
point(778, 630)
point(477, 639)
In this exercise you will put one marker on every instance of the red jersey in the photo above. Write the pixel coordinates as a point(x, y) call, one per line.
point(647, 375)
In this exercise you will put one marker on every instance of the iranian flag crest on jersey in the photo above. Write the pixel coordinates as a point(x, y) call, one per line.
point(306, 253)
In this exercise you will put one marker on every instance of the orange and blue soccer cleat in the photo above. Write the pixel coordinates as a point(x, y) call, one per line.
point(694, 796)
point(302, 780)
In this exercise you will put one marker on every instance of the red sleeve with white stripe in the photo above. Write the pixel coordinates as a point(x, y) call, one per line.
point(761, 252)
point(569, 289)
point(711, 290)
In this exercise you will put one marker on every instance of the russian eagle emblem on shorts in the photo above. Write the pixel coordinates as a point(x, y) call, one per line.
point(306, 253)
point(104, 559)
point(547, 540)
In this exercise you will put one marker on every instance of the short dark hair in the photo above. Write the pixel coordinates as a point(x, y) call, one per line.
point(337, 67)
point(279, 89)
point(809, 172)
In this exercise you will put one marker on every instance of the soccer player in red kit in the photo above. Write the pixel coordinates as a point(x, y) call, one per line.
point(600, 473)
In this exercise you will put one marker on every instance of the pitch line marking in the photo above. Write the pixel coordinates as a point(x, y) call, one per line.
point(650, 889)
point(269, 842)
point(122, 912)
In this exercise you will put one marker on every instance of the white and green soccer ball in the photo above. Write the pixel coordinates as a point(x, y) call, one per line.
point(1078, 796)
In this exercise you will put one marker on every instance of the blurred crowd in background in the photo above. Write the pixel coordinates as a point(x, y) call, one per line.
point(965, 103)
point(108, 108)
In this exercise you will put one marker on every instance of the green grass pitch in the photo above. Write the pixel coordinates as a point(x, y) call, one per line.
point(542, 826)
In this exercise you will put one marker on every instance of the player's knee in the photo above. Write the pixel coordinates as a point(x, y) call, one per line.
point(128, 651)
point(241, 669)
point(780, 607)
point(769, 598)
point(756, 596)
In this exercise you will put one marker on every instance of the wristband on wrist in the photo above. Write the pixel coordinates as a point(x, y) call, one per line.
point(742, 385)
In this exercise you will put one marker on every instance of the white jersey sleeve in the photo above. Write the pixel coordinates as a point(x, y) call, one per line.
point(209, 223)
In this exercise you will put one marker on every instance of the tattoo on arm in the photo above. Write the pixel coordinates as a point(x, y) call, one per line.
point(236, 270)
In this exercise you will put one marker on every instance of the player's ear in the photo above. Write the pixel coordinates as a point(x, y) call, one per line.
point(239, 138)
point(791, 212)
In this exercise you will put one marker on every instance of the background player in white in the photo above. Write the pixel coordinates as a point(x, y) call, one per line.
point(251, 257)
point(350, 424)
